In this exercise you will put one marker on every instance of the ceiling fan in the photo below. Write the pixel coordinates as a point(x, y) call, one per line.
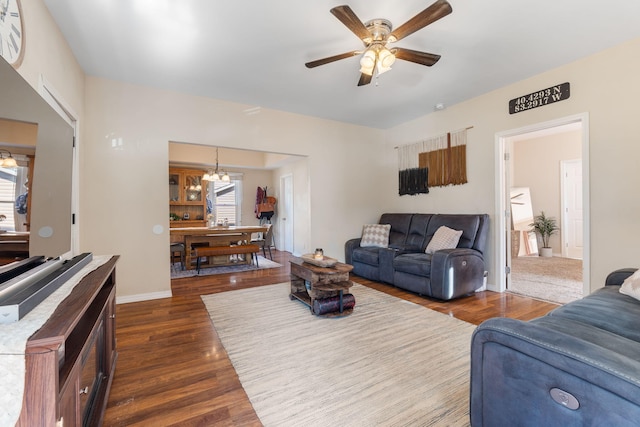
point(376, 35)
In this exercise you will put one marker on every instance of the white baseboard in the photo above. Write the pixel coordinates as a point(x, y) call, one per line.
point(143, 297)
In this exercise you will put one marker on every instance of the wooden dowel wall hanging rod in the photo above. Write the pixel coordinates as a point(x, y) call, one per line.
point(398, 146)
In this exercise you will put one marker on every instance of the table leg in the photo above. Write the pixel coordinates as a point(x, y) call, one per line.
point(187, 253)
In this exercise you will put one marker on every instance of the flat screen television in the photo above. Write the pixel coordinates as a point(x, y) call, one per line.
point(50, 206)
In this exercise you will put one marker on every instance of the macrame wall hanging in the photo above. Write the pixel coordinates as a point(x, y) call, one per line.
point(435, 162)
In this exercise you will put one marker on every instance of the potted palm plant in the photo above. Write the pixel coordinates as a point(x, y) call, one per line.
point(545, 226)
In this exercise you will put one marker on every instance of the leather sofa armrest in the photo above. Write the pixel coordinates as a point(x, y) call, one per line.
point(616, 277)
point(349, 246)
point(517, 360)
point(456, 272)
point(385, 263)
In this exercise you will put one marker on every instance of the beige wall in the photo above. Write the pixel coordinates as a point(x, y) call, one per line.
point(123, 202)
point(48, 55)
point(605, 86)
point(536, 164)
point(302, 240)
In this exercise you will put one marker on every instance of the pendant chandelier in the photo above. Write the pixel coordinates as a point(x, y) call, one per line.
point(7, 162)
point(215, 175)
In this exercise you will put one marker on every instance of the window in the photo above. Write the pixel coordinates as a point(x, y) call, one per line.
point(224, 200)
point(12, 187)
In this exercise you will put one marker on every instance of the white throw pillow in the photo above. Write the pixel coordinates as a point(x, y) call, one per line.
point(375, 235)
point(444, 238)
point(631, 285)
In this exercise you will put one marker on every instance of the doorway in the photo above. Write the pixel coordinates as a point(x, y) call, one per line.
point(286, 219)
point(505, 180)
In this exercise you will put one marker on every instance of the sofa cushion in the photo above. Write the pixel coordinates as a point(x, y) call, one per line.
point(366, 255)
point(631, 285)
point(444, 238)
point(606, 309)
point(376, 235)
point(399, 227)
point(416, 237)
point(418, 264)
point(469, 224)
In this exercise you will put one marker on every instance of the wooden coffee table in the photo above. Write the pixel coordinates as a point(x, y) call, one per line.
point(310, 282)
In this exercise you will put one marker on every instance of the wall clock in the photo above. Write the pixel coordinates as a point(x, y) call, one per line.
point(11, 31)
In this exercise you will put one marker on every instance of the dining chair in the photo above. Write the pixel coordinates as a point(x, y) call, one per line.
point(265, 241)
point(178, 248)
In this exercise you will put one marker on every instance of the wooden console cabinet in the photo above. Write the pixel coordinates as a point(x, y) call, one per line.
point(70, 361)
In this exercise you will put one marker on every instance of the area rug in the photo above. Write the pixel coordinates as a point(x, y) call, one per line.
point(552, 279)
point(264, 263)
point(390, 363)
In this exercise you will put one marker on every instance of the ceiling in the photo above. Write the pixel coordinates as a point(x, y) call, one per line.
point(253, 52)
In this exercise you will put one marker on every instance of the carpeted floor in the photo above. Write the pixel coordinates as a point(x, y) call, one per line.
point(552, 279)
point(178, 273)
point(390, 363)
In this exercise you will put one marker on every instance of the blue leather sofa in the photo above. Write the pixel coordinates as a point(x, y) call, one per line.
point(445, 274)
point(577, 366)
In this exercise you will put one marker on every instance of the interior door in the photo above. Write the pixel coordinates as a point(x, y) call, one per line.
point(286, 210)
point(572, 214)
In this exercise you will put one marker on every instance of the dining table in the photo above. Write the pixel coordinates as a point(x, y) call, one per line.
point(212, 236)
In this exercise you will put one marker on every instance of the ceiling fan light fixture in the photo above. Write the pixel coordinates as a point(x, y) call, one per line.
point(367, 70)
point(376, 34)
point(385, 59)
point(381, 69)
point(368, 60)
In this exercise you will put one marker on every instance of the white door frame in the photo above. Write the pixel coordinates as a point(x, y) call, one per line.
point(502, 196)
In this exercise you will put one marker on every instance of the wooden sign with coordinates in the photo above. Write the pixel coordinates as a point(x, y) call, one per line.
point(539, 98)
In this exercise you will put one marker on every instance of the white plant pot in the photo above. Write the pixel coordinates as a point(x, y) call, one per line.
point(546, 252)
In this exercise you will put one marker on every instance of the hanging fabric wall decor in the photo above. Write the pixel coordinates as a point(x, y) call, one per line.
point(411, 178)
point(435, 162)
point(446, 158)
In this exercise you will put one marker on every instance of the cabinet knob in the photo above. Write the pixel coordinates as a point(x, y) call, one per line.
point(84, 390)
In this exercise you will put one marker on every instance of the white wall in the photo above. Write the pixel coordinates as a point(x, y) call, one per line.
point(605, 86)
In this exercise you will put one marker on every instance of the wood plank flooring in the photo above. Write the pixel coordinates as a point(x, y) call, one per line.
point(172, 369)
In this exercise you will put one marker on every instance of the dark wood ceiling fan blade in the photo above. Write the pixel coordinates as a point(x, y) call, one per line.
point(437, 10)
point(329, 59)
point(422, 58)
point(351, 21)
point(365, 79)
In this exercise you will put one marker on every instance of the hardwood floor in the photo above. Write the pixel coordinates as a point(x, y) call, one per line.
point(172, 369)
